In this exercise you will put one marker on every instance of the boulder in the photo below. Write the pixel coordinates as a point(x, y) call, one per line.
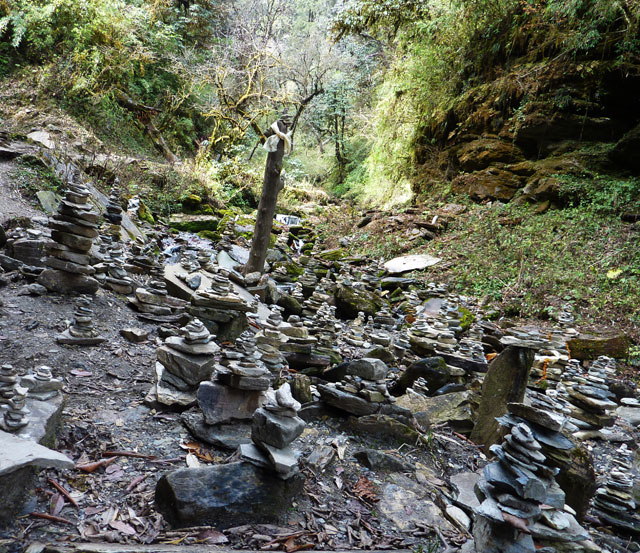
point(505, 382)
point(225, 496)
point(350, 301)
point(194, 223)
point(368, 368)
point(344, 401)
point(433, 369)
point(377, 460)
point(456, 409)
point(483, 152)
point(586, 347)
point(488, 184)
point(384, 426)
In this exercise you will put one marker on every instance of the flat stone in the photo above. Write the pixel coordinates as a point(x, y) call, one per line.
point(74, 241)
point(407, 263)
point(227, 436)
point(69, 266)
point(505, 382)
point(547, 419)
point(248, 383)
point(585, 347)
point(629, 414)
point(193, 369)
point(67, 339)
point(220, 495)
point(377, 460)
point(400, 503)
point(62, 282)
point(456, 409)
point(17, 453)
point(135, 335)
point(384, 426)
point(222, 404)
point(283, 460)
point(179, 344)
point(465, 482)
point(458, 516)
point(346, 402)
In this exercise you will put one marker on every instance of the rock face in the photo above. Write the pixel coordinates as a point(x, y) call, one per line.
point(225, 496)
point(505, 382)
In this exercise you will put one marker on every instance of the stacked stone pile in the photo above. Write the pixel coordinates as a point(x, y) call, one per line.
point(219, 307)
point(73, 229)
point(270, 340)
point(614, 502)
point(522, 506)
point(363, 389)
point(14, 414)
point(275, 425)
point(300, 349)
point(41, 384)
point(82, 331)
point(184, 361)
point(238, 385)
point(593, 403)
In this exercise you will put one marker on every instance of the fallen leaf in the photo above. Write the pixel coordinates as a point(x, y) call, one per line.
point(57, 503)
point(122, 527)
point(212, 537)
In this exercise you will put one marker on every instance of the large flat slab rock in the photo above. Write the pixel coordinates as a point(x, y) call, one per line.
point(586, 347)
point(408, 263)
point(225, 496)
point(17, 453)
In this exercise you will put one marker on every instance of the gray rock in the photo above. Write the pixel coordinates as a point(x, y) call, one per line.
point(17, 453)
point(62, 282)
point(505, 382)
point(368, 368)
point(225, 496)
point(433, 369)
point(346, 402)
point(226, 436)
point(274, 430)
point(221, 403)
point(377, 460)
point(465, 482)
point(193, 369)
point(135, 335)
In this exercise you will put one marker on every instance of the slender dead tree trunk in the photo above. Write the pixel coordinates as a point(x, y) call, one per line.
point(271, 186)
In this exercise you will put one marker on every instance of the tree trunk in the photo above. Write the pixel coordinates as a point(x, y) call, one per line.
point(271, 186)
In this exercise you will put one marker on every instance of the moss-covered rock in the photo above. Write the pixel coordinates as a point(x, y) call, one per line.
point(194, 223)
point(209, 235)
point(466, 318)
point(191, 202)
point(144, 213)
point(350, 301)
point(291, 305)
point(332, 255)
point(591, 347)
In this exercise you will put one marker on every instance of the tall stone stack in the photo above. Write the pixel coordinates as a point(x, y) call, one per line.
point(73, 229)
point(14, 414)
point(522, 506)
point(270, 339)
point(275, 425)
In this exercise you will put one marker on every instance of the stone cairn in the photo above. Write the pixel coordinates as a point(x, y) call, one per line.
point(15, 414)
point(82, 331)
point(113, 213)
point(592, 403)
point(73, 229)
point(219, 306)
point(300, 349)
point(117, 278)
point(275, 425)
point(522, 506)
point(237, 386)
point(362, 391)
point(141, 260)
point(41, 384)
point(153, 302)
point(270, 339)
point(183, 362)
point(614, 502)
point(308, 281)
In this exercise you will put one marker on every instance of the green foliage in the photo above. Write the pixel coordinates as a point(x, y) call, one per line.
point(601, 193)
point(531, 267)
point(32, 175)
